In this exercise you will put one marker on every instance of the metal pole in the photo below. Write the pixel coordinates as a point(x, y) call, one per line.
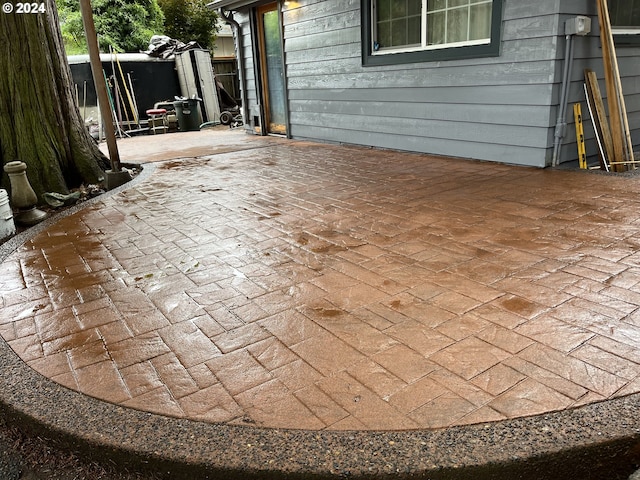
point(99, 82)
point(135, 102)
point(84, 102)
point(561, 122)
point(116, 93)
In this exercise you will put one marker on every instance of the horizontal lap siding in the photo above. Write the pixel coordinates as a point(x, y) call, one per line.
point(496, 109)
point(629, 65)
point(587, 54)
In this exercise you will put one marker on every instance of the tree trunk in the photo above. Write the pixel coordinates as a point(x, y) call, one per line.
point(40, 123)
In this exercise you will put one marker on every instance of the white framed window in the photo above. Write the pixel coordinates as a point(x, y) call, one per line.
point(625, 16)
point(412, 25)
point(410, 31)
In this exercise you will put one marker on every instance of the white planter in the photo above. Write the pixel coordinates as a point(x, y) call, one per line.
point(7, 226)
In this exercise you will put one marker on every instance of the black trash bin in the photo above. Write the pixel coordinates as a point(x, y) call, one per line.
point(188, 114)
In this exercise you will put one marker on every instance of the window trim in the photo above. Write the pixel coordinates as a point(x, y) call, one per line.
point(453, 52)
point(626, 39)
point(625, 36)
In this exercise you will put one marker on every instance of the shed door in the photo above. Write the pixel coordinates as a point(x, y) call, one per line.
point(271, 60)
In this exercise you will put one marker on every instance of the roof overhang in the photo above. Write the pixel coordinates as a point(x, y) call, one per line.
point(230, 4)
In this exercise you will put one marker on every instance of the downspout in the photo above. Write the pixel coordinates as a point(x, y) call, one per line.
point(561, 122)
point(228, 17)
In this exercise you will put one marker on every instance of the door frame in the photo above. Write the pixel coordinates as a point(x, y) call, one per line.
point(261, 67)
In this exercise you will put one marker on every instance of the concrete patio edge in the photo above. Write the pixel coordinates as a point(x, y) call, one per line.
point(579, 443)
point(599, 440)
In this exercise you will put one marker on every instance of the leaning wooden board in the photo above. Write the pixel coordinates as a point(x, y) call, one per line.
point(602, 124)
point(621, 136)
point(628, 144)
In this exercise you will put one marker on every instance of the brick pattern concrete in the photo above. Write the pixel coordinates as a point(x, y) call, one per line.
point(297, 285)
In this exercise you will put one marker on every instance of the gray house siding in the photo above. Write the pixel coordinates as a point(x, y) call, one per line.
point(629, 60)
point(500, 108)
point(587, 54)
point(629, 63)
point(489, 108)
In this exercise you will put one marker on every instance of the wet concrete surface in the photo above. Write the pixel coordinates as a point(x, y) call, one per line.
point(209, 141)
point(292, 285)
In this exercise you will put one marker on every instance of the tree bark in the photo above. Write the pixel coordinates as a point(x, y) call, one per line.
point(40, 123)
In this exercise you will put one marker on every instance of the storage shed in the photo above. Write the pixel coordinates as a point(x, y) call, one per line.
point(477, 79)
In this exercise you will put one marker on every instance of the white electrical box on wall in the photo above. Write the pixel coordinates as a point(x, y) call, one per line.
point(579, 25)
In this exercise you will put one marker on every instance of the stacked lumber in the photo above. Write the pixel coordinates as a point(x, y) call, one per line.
point(617, 147)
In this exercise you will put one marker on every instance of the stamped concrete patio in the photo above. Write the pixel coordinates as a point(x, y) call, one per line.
point(294, 285)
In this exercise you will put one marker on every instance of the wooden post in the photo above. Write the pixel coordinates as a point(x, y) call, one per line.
point(628, 144)
point(99, 82)
point(612, 98)
point(621, 135)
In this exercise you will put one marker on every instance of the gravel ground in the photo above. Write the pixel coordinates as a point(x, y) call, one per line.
point(24, 458)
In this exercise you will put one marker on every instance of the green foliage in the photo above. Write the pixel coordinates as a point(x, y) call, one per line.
point(125, 25)
point(190, 20)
